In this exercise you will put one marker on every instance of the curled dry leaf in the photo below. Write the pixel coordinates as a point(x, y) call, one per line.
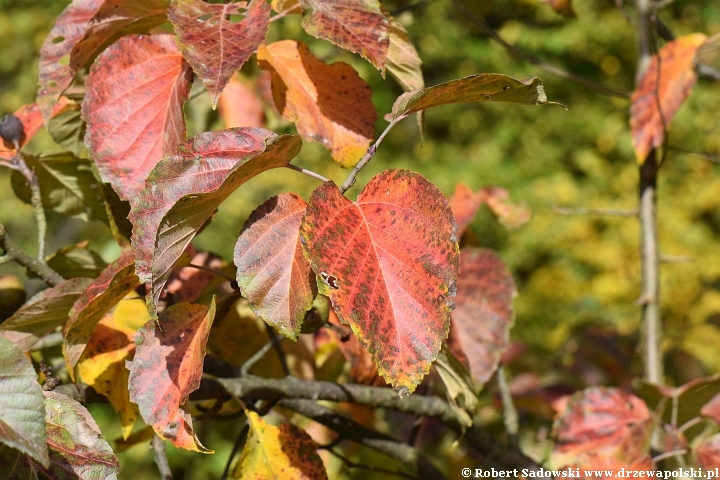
point(389, 263)
point(329, 104)
point(134, 108)
point(167, 367)
point(272, 272)
point(213, 42)
point(656, 100)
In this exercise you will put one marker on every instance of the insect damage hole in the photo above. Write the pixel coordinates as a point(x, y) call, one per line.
point(330, 280)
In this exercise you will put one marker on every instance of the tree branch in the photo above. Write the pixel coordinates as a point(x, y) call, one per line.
point(610, 212)
point(161, 459)
point(16, 252)
point(307, 172)
point(18, 163)
point(367, 157)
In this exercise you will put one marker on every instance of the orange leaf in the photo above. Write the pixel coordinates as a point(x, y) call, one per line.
point(362, 368)
point(271, 270)
point(667, 93)
point(134, 108)
point(187, 284)
point(389, 263)
point(167, 367)
point(329, 104)
point(32, 121)
point(240, 106)
point(465, 205)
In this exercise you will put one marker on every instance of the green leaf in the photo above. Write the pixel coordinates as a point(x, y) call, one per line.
point(117, 211)
point(75, 261)
point(459, 384)
point(67, 185)
point(16, 465)
point(68, 130)
point(22, 404)
point(483, 87)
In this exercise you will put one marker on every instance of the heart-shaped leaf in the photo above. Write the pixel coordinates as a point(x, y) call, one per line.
point(329, 104)
point(213, 42)
point(271, 271)
point(22, 404)
point(185, 189)
point(134, 108)
point(167, 367)
point(356, 25)
point(389, 263)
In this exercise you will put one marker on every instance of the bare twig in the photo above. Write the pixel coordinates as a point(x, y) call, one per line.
point(16, 252)
point(552, 69)
point(275, 340)
point(665, 455)
point(257, 356)
point(710, 157)
point(371, 468)
point(35, 201)
point(610, 212)
point(161, 459)
point(211, 270)
point(510, 414)
point(367, 157)
point(307, 172)
point(676, 259)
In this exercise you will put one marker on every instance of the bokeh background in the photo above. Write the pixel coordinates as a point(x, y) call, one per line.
point(578, 276)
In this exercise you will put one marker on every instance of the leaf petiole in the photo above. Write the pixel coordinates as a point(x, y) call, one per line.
point(368, 156)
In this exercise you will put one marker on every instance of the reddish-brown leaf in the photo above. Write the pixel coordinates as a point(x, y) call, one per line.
point(483, 315)
point(213, 42)
point(606, 421)
point(187, 283)
point(356, 25)
point(32, 121)
point(134, 108)
point(329, 104)
point(167, 367)
point(185, 189)
point(116, 281)
point(55, 73)
point(676, 60)
point(362, 368)
point(707, 453)
point(465, 205)
point(712, 409)
point(389, 263)
point(240, 105)
point(271, 271)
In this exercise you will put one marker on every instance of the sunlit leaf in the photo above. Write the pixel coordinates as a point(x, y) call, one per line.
point(271, 270)
point(240, 105)
point(214, 42)
point(667, 93)
point(102, 364)
point(291, 6)
point(483, 87)
point(68, 129)
point(707, 453)
point(167, 367)
point(185, 189)
point(389, 263)
point(278, 452)
point(483, 315)
point(460, 387)
point(22, 404)
point(329, 104)
point(77, 448)
point(356, 25)
point(134, 108)
point(116, 281)
point(43, 313)
point(67, 185)
point(403, 61)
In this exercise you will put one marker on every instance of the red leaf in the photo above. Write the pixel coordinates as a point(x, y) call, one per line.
point(707, 452)
point(677, 77)
point(55, 73)
point(604, 420)
point(167, 367)
point(116, 281)
point(362, 368)
point(134, 108)
point(355, 25)
point(329, 104)
point(389, 263)
point(482, 319)
point(712, 409)
point(32, 121)
point(240, 105)
point(215, 45)
point(272, 273)
point(465, 205)
point(185, 188)
point(187, 283)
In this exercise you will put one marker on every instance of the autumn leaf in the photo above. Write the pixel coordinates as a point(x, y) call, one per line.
point(483, 87)
point(116, 281)
point(278, 452)
point(329, 104)
point(32, 121)
point(186, 284)
point(465, 205)
point(167, 367)
point(102, 364)
point(240, 105)
point(362, 368)
point(22, 404)
point(403, 61)
point(291, 6)
point(459, 385)
point(213, 42)
point(356, 25)
point(185, 188)
point(77, 447)
point(707, 452)
point(483, 315)
point(43, 313)
point(134, 108)
point(389, 263)
point(271, 270)
point(656, 100)
point(691, 399)
point(68, 128)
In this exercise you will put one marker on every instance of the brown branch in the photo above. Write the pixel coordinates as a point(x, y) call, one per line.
point(17, 253)
point(367, 157)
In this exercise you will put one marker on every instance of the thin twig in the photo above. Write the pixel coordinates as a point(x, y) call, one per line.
point(275, 340)
point(676, 259)
point(665, 455)
point(12, 249)
point(307, 172)
point(710, 157)
point(36, 202)
point(211, 270)
point(510, 414)
point(239, 443)
point(372, 468)
point(161, 459)
point(552, 69)
point(367, 157)
point(257, 356)
point(610, 212)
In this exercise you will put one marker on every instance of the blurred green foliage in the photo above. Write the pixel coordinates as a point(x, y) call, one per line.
point(574, 273)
